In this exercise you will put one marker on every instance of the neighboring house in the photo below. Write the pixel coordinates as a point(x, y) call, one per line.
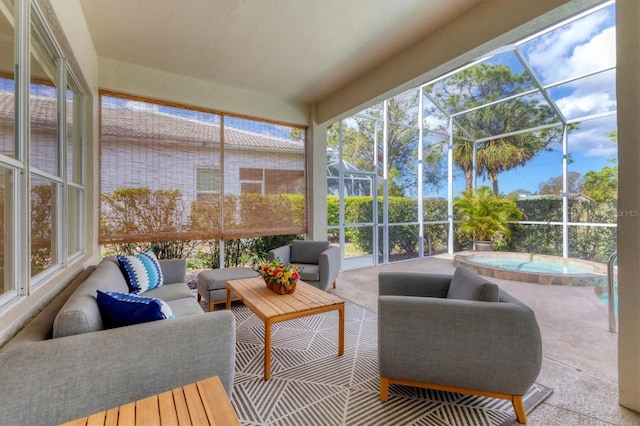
point(146, 147)
point(188, 152)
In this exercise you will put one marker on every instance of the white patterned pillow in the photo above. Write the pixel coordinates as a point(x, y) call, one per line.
point(141, 271)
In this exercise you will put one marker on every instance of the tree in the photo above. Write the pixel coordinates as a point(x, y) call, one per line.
point(554, 185)
point(603, 185)
point(480, 85)
point(363, 144)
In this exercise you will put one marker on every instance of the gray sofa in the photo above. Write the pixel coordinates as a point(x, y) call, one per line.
point(85, 368)
point(318, 261)
point(458, 333)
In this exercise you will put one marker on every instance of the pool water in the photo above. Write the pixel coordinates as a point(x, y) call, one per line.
point(534, 265)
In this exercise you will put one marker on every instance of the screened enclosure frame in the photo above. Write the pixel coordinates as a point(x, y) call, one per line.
point(560, 122)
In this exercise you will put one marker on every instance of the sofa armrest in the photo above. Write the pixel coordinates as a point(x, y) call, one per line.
point(58, 380)
point(413, 284)
point(283, 253)
point(173, 270)
point(493, 346)
point(329, 265)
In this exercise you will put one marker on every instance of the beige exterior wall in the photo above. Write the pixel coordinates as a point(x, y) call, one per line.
point(628, 93)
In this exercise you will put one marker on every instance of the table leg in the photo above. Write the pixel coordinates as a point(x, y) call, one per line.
point(228, 305)
point(341, 330)
point(267, 349)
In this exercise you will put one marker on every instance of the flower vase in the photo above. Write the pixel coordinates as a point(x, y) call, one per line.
point(280, 288)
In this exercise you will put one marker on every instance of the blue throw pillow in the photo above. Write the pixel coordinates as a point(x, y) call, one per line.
point(141, 271)
point(120, 309)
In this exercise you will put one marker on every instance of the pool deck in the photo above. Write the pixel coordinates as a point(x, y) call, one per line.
point(580, 355)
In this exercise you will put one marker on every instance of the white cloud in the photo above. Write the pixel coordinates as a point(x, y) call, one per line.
point(591, 138)
point(582, 105)
point(582, 46)
point(597, 53)
point(141, 106)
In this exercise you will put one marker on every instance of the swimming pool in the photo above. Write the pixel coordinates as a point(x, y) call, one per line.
point(535, 268)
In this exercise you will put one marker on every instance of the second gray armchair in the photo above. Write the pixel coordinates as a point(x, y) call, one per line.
point(319, 261)
point(456, 333)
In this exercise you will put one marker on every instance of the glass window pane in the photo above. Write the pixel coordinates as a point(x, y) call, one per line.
point(74, 129)
point(75, 217)
point(7, 87)
point(8, 285)
point(42, 223)
point(44, 104)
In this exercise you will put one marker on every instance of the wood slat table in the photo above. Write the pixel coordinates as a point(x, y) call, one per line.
point(272, 308)
point(201, 403)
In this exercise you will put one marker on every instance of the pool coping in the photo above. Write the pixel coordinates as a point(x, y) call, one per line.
point(598, 278)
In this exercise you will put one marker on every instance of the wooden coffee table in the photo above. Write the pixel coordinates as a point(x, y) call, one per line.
point(201, 403)
point(272, 308)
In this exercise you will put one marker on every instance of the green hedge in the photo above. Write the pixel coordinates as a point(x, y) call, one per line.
point(590, 243)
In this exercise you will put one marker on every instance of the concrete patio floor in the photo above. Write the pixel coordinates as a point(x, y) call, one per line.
point(580, 355)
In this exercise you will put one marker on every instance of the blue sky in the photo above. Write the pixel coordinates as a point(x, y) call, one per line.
point(583, 46)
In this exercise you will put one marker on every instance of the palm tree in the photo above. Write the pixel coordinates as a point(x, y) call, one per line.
point(480, 85)
point(482, 214)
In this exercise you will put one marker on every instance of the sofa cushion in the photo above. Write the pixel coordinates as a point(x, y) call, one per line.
point(185, 306)
point(467, 285)
point(169, 292)
point(121, 309)
point(309, 272)
point(80, 313)
point(142, 271)
point(307, 251)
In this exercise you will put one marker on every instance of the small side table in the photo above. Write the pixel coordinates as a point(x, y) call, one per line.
point(201, 403)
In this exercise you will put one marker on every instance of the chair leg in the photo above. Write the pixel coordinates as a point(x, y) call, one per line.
point(518, 407)
point(334, 284)
point(211, 306)
point(384, 388)
point(199, 296)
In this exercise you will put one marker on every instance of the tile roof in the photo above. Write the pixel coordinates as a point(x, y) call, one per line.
point(120, 123)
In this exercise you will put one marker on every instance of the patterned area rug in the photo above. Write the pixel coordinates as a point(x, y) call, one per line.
point(311, 385)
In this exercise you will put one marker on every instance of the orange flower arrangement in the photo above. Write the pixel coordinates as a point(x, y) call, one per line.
point(276, 271)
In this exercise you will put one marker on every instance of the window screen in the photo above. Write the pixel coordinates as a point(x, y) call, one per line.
point(173, 173)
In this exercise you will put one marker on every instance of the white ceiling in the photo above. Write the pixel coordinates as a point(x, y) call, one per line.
point(301, 50)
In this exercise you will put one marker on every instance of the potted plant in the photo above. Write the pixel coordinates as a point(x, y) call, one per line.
point(482, 215)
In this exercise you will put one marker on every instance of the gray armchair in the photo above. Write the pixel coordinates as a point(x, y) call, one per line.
point(318, 260)
point(456, 333)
